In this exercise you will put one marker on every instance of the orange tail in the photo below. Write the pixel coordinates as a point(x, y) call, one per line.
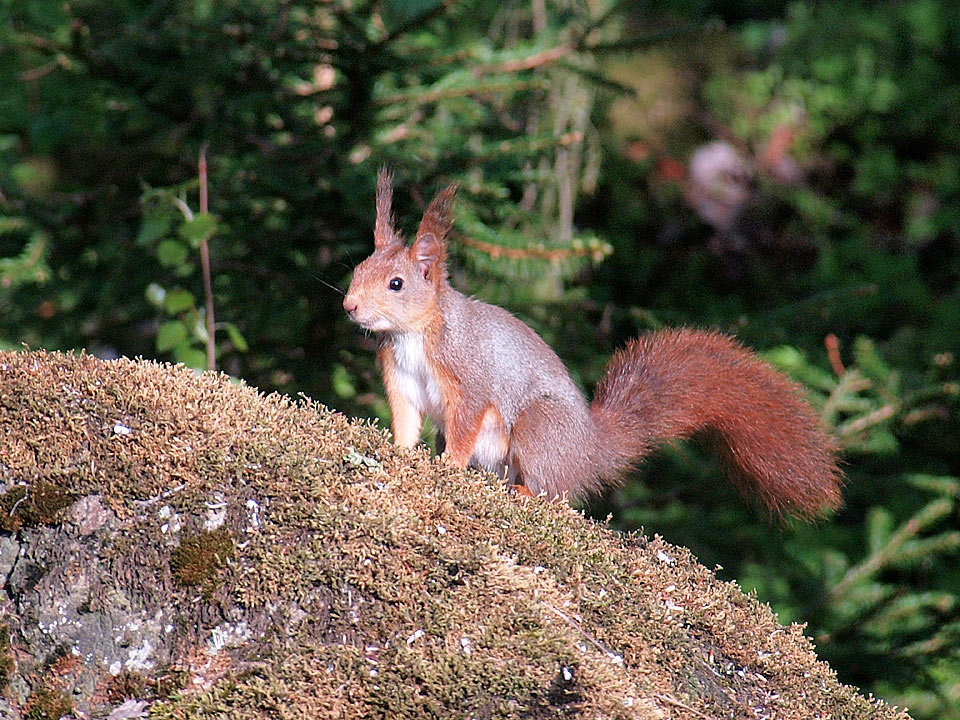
point(674, 383)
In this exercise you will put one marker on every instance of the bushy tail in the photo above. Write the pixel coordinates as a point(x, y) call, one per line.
point(671, 384)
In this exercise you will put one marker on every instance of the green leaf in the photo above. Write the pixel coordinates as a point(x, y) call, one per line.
point(200, 227)
point(928, 548)
point(177, 301)
point(47, 15)
point(172, 252)
point(155, 225)
point(171, 334)
point(835, 566)
point(9, 142)
point(880, 441)
point(30, 266)
point(35, 175)
point(184, 269)
point(342, 382)
point(190, 356)
point(239, 342)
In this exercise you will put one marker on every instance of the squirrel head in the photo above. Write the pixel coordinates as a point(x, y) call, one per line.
point(396, 288)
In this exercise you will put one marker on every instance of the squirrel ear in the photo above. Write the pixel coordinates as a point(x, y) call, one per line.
point(430, 254)
point(430, 248)
point(383, 233)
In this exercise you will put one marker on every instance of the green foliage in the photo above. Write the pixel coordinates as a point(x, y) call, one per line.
point(849, 229)
point(176, 233)
point(30, 264)
point(105, 106)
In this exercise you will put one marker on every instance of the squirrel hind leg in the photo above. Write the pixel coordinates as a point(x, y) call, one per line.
point(551, 451)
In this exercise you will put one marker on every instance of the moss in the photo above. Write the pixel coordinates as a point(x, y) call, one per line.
point(58, 655)
point(199, 558)
point(47, 703)
point(128, 685)
point(7, 664)
point(40, 503)
point(166, 682)
point(160, 685)
point(399, 588)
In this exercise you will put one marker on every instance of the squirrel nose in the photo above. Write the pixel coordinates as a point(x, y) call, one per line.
point(350, 305)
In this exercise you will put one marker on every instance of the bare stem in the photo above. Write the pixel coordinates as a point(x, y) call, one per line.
point(205, 262)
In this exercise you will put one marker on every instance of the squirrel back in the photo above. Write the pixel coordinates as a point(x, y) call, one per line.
point(503, 400)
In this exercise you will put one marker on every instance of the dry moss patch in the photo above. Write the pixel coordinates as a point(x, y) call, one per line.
point(200, 557)
point(47, 703)
point(337, 576)
point(41, 503)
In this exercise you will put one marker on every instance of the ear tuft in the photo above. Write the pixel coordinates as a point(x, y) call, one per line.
point(438, 217)
point(383, 234)
point(430, 248)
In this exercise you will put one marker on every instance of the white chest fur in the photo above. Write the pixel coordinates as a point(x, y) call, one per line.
point(415, 379)
point(417, 383)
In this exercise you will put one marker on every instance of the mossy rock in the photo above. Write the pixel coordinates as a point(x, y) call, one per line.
point(227, 554)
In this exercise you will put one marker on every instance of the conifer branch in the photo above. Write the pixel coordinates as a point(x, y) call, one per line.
point(530, 252)
point(419, 97)
point(858, 425)
point(882, 557)
point(530, 62)
point(413, 23)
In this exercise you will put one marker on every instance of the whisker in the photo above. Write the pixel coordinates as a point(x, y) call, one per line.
point(332, 287)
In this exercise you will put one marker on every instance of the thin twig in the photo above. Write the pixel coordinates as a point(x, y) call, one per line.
point(596, 643)
point(38, 72)
point(833, 352)
point(182, 207)
point(676, 703)
point(205, 262)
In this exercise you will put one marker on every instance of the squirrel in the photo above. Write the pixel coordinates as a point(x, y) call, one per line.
point(504, 401)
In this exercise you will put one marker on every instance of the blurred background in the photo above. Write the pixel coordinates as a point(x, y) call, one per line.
point(785, 171)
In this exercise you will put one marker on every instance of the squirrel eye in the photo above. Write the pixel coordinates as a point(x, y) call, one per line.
point(396, 284)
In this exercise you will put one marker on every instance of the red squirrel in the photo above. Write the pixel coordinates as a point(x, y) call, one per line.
point(504, 401)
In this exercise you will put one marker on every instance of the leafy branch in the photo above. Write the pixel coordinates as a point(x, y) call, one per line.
point(196, 228)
